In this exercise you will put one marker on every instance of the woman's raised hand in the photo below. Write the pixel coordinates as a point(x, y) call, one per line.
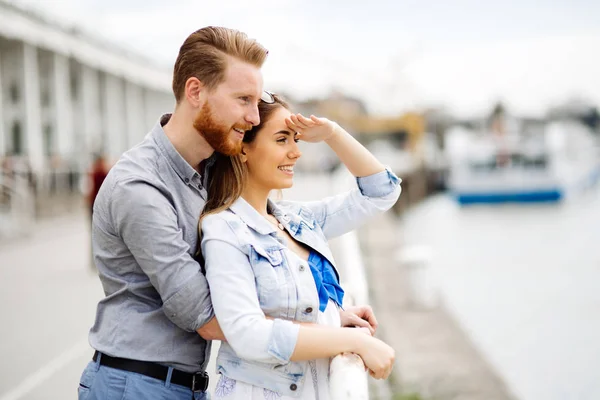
point(311, 129)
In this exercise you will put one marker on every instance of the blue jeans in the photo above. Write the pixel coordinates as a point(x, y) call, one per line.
point(99, 382)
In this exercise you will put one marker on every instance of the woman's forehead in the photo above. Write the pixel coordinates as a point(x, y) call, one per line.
point(277, 119)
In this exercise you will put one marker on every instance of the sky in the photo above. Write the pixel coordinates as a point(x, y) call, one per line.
point(460, 55)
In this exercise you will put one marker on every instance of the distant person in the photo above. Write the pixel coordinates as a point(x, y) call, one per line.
point(153, 330)
point(98, 173)
point(273, 282)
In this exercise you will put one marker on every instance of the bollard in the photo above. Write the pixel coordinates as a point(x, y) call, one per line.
point(422, 291)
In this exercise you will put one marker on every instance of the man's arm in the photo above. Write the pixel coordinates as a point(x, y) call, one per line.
point(211, 331)
point(142, 215)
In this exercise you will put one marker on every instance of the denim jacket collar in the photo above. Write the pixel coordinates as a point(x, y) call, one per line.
point(291, 221)
point(257, 222)
point(251, 217)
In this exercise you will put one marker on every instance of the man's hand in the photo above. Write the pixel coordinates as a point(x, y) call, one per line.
point(360, 316)
point(212, 331)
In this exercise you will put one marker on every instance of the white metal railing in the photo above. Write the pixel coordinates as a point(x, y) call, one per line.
point(348, 377)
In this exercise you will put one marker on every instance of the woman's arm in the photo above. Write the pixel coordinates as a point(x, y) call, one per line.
point(320, 342)
point(359, 161)
point(378, 187)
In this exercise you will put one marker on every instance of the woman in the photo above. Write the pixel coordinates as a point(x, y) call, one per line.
point(274, 287)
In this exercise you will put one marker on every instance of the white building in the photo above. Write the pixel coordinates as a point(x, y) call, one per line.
point(65, 95)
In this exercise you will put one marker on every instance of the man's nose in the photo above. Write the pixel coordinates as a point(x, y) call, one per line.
point(253, 117)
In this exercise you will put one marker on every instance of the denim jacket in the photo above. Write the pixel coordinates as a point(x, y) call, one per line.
point(250, 277)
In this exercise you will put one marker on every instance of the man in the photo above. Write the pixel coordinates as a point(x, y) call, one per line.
point(153, 329)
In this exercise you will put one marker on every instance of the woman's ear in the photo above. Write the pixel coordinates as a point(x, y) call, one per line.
point(243, 155)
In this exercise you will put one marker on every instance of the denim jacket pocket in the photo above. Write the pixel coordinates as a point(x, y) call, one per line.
point(270, 274)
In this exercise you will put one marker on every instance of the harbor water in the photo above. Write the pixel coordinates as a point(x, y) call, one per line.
point(522, 280)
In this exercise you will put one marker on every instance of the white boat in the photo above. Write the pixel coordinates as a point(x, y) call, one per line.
point(547, 166)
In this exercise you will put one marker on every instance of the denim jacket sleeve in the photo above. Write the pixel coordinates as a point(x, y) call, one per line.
point(235, 300)
point(344, 212)
point(147, 223)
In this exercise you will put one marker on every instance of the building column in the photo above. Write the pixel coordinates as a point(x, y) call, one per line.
point(3, 133)
point(63, 107)
point(92, 121)
point(114, 114)
point(32, 120)
point(135, 114)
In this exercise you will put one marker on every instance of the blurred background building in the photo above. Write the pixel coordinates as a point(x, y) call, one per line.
point(66, 96)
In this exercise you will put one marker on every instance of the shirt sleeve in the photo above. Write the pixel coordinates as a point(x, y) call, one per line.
point(235, 300)
point(147, 223)
point(346, 211)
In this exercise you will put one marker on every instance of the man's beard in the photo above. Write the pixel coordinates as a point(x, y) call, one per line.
point(216, 134)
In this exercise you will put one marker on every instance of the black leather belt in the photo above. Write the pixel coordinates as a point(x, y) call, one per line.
point(198, 382)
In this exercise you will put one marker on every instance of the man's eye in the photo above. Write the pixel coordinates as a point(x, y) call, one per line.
point(245, 99)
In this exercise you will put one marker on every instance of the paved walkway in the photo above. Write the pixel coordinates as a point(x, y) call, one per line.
point(434, 356)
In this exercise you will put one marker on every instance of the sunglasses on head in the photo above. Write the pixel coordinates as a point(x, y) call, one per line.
point(267, 97)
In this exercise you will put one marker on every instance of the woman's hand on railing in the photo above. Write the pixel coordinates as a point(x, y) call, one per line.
point(359, 316)
point(377, 356)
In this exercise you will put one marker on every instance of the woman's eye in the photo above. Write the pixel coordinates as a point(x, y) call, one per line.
point(282, 140)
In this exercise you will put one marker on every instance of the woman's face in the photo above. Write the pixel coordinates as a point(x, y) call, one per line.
point(272, 155)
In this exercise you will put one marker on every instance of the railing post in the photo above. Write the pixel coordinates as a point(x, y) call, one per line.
point(348, 377)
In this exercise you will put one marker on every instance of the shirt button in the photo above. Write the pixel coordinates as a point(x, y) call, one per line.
point(308, 310)
point(187, 180)
point(301, 267)
point(293, 386)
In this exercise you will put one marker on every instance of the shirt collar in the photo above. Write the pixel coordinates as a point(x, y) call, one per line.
point(182, 167)
point(253, 218)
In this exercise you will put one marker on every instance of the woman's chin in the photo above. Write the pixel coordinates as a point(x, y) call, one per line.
point(285, 185)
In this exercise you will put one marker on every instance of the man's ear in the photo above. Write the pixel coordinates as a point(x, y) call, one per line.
point(195, 91)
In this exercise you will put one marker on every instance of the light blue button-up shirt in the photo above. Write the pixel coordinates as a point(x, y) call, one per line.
point(145, 233)
point(251, 274)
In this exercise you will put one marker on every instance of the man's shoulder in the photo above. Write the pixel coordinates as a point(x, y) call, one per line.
point(141, 162)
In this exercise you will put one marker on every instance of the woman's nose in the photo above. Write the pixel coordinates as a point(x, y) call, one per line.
point(295, 152)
